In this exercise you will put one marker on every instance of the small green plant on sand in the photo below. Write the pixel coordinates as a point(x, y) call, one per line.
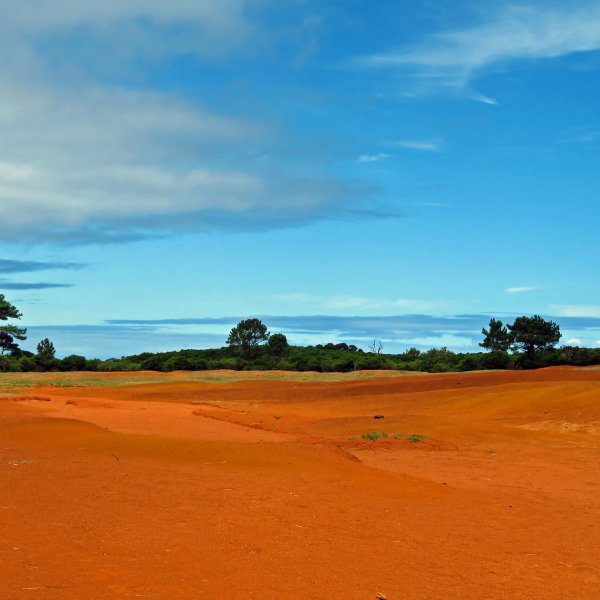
point(415, 437)
point(374, 435)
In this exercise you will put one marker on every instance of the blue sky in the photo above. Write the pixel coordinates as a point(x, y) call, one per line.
point(400, 170)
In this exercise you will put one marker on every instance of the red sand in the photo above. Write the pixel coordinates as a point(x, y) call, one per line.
point(254, 489)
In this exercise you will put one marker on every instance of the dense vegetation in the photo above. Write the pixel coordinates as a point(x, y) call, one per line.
point(327, 358)
point(527, 343)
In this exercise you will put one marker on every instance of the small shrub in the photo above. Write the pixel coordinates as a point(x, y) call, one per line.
point(374, 435)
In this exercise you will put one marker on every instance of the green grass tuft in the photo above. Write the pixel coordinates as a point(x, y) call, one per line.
point(374, 435)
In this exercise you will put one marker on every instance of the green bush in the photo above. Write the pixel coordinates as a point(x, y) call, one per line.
point(9, 363)
point(74, 362)
point(177, 363)
point(470, 362)
point(200, 364)
point(27, 363)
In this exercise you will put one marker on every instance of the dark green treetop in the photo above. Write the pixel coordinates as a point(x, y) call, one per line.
point(247, 335)
point(10, 333)
point(277, 344)
point(497, 337)
point(532, 334)
point(45, 353)
point(45, 349)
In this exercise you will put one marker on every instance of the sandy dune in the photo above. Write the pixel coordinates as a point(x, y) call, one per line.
point(486, 486)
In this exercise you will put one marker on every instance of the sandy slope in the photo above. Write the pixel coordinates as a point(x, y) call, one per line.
point(265, 489)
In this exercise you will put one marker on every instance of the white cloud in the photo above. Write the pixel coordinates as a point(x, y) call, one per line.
point(512, 33)
point(447, 340)
point(69, 160)
point(149, 26)
point(485, 99)
point(522, 289)
point(349, 302)
point(367, 158)
point(433, 145)
point(111, 163)
point(574, 342)
point(576, 310)
point(86, 161)
point(41, 15)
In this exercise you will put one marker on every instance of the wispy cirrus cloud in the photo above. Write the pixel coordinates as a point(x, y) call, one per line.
point(368, 158)
point(522, 289)
point(345, 302)
point(511, 33)
point(426, 145)
point(483, 99)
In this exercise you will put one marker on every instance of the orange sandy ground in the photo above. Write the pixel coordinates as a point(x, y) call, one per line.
point(180, 489)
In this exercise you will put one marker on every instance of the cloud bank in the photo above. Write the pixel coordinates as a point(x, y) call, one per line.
point(201, 26)
point(39, 285)
point(83, 159)
point(29, 266)
point(99, 165)
point(577, 310)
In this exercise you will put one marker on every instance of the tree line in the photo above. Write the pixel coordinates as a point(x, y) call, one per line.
point(529, 342)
